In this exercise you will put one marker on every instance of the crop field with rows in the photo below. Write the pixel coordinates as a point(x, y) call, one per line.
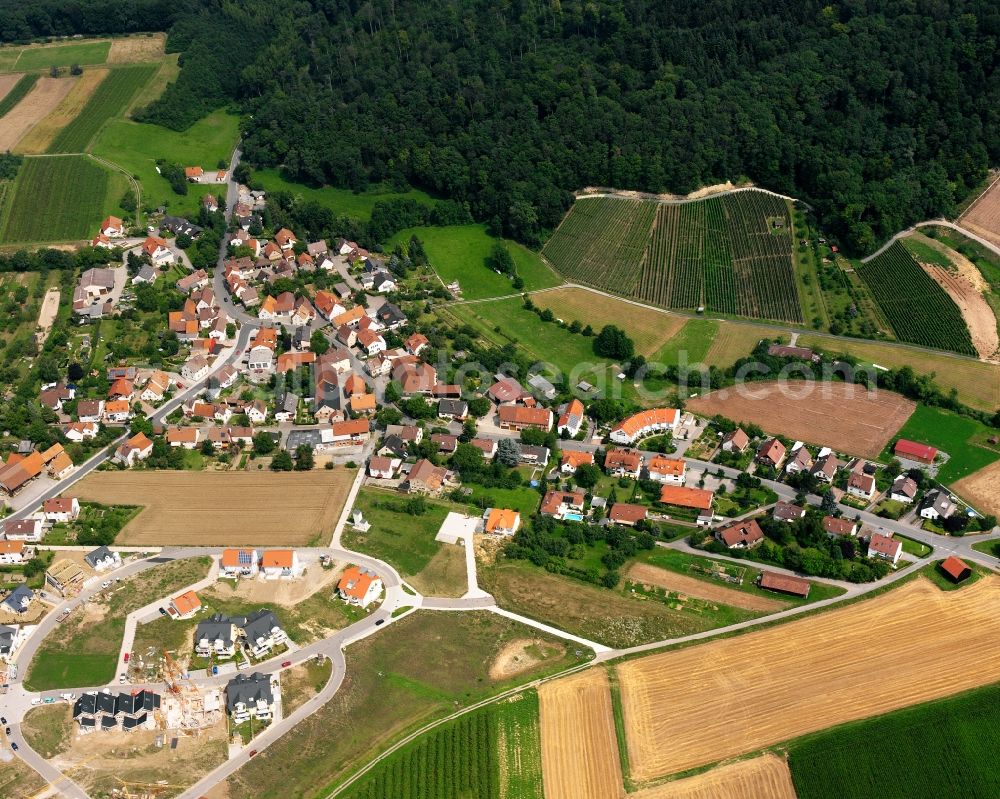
point(487, 754)
point(917, 308)
point(601, 243)
point(731, 254)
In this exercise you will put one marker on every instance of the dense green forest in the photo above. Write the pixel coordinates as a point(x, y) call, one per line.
point(877, 112)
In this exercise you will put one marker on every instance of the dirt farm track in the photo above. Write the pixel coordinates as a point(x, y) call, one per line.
point(842, 415)
point(708, 703)
point(223, 508)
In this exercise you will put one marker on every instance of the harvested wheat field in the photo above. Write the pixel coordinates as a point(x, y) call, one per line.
point(701, 589)
point(223, 508)
point(136, 48)
point(703, 704)
point(648, 328)
point(764, 777)
point(840, 414)
point(982, 489)
point(983, 216)
point(579, 750)
point(38, 139)
point(44, 96)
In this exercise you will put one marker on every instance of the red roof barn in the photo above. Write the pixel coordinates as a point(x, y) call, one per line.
point(913, 451)
point(955, 569)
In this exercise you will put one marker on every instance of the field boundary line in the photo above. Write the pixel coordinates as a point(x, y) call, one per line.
point(620, 194)
point(131, 179)
point(933, 223)
point(980, 196)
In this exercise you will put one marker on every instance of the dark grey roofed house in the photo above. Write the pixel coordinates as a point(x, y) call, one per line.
point(289, 403)
point(99, 555)
point(146, 274)
point(542, 387)
point(390, 315)
point(6, 639)
point(534, 454)
point(248, 689)
point(301, 337)
point(85, 705)
point(87, 722)
point(19, 599)
point(259, 624)
point(787, 512)
point(130, 723)
point(216, 628)
point(450, 408)
point(342, 290)
point(107, 722)
point(178, 225)
point(106, 704)
point(395, 445)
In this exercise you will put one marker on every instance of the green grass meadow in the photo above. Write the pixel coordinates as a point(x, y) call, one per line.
point(940, 749)
point(340, 201)
point(59, 55)
point(136, 147)
point(59, 199)
point(459, 252)
point(111, 98)
point(694, 339)
point(964, 439)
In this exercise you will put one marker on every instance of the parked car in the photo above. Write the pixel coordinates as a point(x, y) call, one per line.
point(379, 622)
point(163, 611)
point(48, 700)
point(36, 701)
point(253, 752)
point(215, 670)
point(13, 746)
point(122, 679)
point(286, 664)
point(126, 657)
point(3, 720)
point(7, 730)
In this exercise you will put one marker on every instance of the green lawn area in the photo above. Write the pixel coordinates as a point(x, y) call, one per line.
point(694, 339)
point(988, 548)
point(340, 201)
point(421, 667)
point(935, 575)
point(523, 499)
point(83, 650)
point(541, 341)
point(61, 55)
point(910, 547)
point(939, 749)
point(964, 439)
point(136, 147)
point(459, 252)
point(406, 541)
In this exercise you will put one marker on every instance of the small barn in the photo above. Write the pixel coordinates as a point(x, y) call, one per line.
point(955, 569)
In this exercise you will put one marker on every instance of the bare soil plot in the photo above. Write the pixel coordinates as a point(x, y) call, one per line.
point(982, 489)
point(976, 312)
point(983, 216)
point(137, 48)
point(701, 589)
point(283, 592)
point(521, 655)
point(840, 414)
point(648, 328)
point(47, 314)
point(7, 82)
point(46, 94)
point(737, 695)
point(38, 139)
point(579, 749)
point(224, 508)
point(764, 777)
point(96, 760)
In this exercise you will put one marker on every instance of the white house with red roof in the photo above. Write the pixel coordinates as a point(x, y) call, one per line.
point(359, 586)
point(157, 250)
point(882, 546)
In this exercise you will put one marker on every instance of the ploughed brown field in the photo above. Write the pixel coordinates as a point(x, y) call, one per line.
point(579, 750)
point(223, 508)
point(983, 216)
point(842, 415)
point(765, 777)
point(704, 704)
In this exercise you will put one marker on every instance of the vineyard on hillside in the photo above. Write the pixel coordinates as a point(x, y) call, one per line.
point(917, 308)
point(731, 254)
